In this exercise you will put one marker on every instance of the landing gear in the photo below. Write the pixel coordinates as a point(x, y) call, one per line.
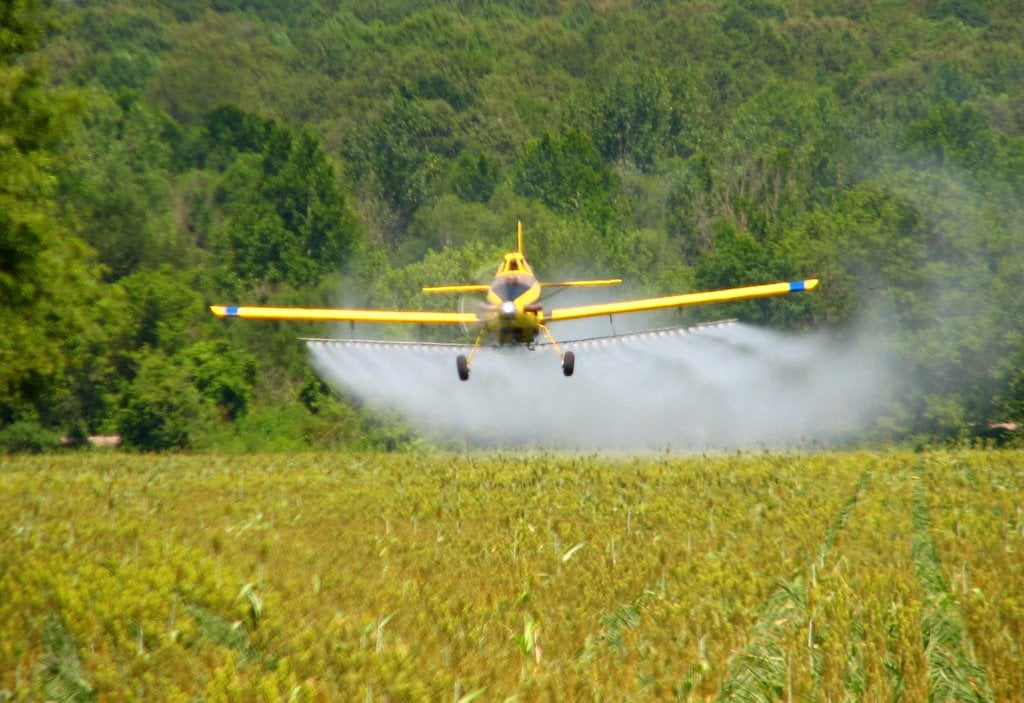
point(568, 358)
point(462, 362)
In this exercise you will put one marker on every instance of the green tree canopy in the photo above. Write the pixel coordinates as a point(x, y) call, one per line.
point(161, 407)
point(48, 279)
point(285, 217)
point(567, 173)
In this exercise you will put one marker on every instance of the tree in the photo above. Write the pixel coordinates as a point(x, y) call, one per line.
point(159, 307)
point(114, 184)
point(970, 12)
point(475, 178)
point(959, 133)
point(223, 375)
point(286, 218)
point(776, 154)
point(400, 153)
point(161, 406)
point(229, 130)
point(567, 173)
point(48, 279)
point(630, 116)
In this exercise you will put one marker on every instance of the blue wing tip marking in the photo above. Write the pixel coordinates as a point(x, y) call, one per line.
point(796, 286)
point(231, 311)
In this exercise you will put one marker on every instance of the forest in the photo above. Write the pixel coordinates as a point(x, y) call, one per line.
point(159, 157)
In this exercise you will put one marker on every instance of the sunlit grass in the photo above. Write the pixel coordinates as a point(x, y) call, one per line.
point(460, 577)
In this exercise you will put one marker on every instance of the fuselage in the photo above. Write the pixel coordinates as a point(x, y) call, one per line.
point(513, 311)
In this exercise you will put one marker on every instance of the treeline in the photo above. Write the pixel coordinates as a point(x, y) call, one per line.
point(158, 157)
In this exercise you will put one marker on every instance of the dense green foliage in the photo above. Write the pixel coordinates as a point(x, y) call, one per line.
point(412, 577)
point(160, 156)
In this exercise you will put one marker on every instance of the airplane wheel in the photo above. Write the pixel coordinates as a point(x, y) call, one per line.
point(462, 364)
point(568, 363)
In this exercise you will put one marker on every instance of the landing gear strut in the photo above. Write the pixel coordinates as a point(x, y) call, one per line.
point(462, 362)
point(568, 358)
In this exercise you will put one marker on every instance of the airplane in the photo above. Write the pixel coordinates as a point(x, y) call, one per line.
point(513, 312)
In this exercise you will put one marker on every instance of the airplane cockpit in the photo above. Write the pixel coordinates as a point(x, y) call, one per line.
point(514, 262)
point(511, 288)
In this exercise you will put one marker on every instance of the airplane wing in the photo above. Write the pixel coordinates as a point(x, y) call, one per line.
point(471, 288)
point(678, 301)
point(423, 317)
point(580, 284)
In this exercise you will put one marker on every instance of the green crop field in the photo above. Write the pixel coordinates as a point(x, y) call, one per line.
point(528, 577)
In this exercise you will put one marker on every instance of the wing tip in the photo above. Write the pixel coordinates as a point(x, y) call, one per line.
point(224, 310)
point(806, 284)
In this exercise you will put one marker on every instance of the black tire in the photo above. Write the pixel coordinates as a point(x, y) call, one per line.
point(462, 364)
point(568, 363)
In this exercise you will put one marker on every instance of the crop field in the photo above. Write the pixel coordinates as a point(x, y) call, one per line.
point(524, 577)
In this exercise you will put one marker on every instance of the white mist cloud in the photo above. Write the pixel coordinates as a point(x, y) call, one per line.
point(726, 386)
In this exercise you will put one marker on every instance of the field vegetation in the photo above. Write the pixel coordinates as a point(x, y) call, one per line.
point(157, 157)
point(516, 577)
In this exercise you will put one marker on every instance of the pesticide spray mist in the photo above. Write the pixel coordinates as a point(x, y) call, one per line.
point(722, 386)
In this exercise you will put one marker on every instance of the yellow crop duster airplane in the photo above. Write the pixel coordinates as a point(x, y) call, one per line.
point(512, 312)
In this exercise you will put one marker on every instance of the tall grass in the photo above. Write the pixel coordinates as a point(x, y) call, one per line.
point(487, 577)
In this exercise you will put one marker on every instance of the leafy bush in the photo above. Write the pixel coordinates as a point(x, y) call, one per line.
point(223, 375)
point(27, 436)
point(161, 407)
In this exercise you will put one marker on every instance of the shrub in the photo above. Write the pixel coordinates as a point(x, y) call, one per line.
point(27, 437)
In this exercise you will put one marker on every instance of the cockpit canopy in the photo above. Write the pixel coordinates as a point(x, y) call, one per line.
point(514, 262)
point(512, 287)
